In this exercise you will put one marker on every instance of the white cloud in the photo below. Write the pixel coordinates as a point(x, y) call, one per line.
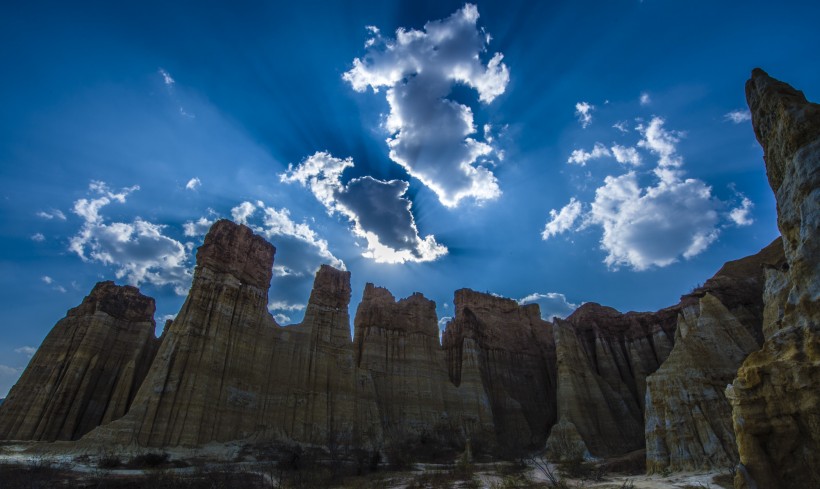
point(663, 143)
point(580, 157)
point(53, 214)
point(626, 155)
point(430, 135)
point(649, 224)
point(738, 116)
point(285, 306)
point(193, 183)
point(242, 212)
point(621, 126)
point(28, 351)
point(196, 228)
point(38, 237)
point(583, 111)
point(48, 280)
point(377, 209)
point(741, 216)
point(166, 77)
point(563, 220)
point(552, 304)
point(645, 99)
point(653, 226)
point(139, 250)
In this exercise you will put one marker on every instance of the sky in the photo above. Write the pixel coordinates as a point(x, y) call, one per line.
point(557, 152)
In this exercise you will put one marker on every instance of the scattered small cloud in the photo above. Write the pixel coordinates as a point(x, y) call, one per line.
point(645, 99)
point(581, 157)
point(166, 77)
point(583, 111)
point(552, 305)
point(626, 155)
point(193, 183)
point(48, 280)
point(285, 306)
point(28, 351)
point(563, 220)
point(196, 228)
point(38, 237)
point(377, 209)
point(139, 250)
point(621, 126)
point(741, 216)
point(242, 212)
point(738, 116)
point(52, 214)
point(432, 136)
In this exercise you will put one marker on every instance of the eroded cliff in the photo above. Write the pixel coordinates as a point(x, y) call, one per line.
point(774, 398)
point(688, 418)
point(87, 370)
point(507, 351)
point(603, 359)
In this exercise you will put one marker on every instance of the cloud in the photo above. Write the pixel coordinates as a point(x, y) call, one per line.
point(53, 214)
point(552, 304)
point(242, 212)
point(663, 143)
point(166, 77)
point(48, 280)
point(193, 183)
point(38, 237)
point(580, 157)
point(645, 99)
point(653, 226)
point(196, 228)
point(139, 250)
point(626, 155)
point(583, 111)
point(621, 126)
point(651, 219)
point(28, 351)
point(377, 209)
point(562, 220)
point(431, 135)
point(738, 116)
point(741, 216)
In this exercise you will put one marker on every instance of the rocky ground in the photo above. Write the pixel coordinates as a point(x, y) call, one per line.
point(37, 465)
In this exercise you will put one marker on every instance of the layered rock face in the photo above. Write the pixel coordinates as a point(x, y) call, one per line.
point(775, 401)
point(603, 359)
point(507, 351)
point(688, 418)
point(88, 369)
point(398, 348)
point(226, 371)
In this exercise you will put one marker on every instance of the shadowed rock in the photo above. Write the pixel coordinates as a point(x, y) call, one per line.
point(87, 370)
point(688, 417)
point(775, 401)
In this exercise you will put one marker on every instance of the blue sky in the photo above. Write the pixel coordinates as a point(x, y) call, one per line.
point(561, 152)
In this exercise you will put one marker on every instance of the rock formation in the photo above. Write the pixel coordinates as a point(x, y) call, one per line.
point(397, 346)
point(603, 359)
point(226, 371)
point(775, 401)
point(688, 418)
point(87, 370)
point(506, 350)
